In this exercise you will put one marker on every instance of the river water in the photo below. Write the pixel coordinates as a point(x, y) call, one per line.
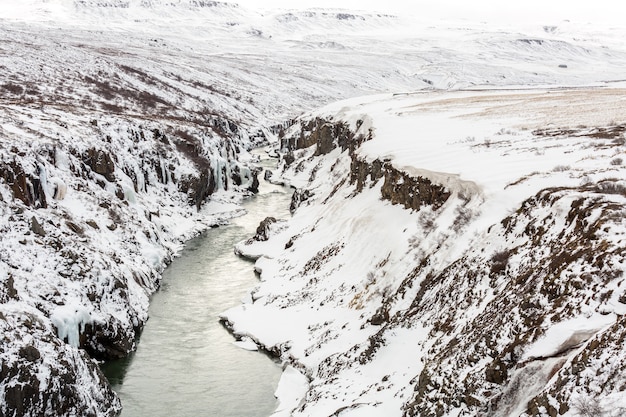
point(186, 364)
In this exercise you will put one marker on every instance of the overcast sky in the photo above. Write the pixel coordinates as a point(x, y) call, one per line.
point(538, 11)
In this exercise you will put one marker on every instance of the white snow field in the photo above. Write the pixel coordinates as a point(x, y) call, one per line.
point(462, 202)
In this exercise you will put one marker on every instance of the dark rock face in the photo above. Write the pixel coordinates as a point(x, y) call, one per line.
point(298, 198)
point(45, 377)
point(107, 341)
point(496, 372)
point(289, 158)
point(263, 230)
point(25, 187)
point(198, 188)
point(412, 192)
point(398, 187)
point(325, 134)
point(100, 162)
point(254, 187)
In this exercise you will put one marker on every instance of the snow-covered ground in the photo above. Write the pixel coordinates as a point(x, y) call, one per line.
point(501, 294)
point(124, 130)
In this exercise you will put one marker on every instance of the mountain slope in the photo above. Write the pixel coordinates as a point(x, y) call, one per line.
point(448, 256)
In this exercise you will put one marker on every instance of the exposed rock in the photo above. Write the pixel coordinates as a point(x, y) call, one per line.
point(8, 292)
point(100, 162)
point(398, 187)
point(75, 228)
point(30, 353)
point(263, 230)
point(198, 188)
point(496, 372)
point(299, 197)
point(254, 187)
point(380, 317)
point(325, 134)
point(107, 341)
point(72, 383)
point(26, 188)
point(412, 192)
point(36, 227)
point(288, 158)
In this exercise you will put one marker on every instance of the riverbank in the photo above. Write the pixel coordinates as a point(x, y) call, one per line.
point(450, 253)
point(186, 363)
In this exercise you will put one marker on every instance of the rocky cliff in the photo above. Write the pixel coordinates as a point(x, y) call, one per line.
point(490, 286)
point(92, 211)
point(105, 170)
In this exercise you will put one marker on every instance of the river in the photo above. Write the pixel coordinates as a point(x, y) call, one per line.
point(186, 364)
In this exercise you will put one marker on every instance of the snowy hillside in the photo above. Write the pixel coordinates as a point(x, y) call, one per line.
point(125, 127)
point(450, 254)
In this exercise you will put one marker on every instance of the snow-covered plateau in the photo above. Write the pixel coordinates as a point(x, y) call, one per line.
point(457, 243)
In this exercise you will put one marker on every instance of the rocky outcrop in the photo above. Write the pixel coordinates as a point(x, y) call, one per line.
point(326, 135)
point(100, 162)
point(263, 230)
point(399, 187)
point(25, 187)
point(41, 375)
point(197, 188)
point(559, 273)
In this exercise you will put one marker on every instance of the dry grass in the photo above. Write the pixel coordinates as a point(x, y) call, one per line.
point(558, 107)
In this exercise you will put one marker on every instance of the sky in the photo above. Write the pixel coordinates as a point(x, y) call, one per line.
point(537, 11)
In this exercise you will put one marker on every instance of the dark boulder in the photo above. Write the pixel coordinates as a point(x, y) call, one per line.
point(100, 162)
point(36, 227)
point(25, 187)
point(298, 198)
point(263, 230)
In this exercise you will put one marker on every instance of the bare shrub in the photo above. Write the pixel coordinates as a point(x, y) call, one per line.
point(13, 88)
point(561, 168)
point(611, 187)
point(617, 161)
point(499, 261)
point(588, 407)
point(427, 221)
point(463, 217)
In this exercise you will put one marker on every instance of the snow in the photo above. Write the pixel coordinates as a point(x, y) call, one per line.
point(291, 390)
point(346, 254)
point(486, 110)
point(70, 320)
point(568, 334)
point(247, 344)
